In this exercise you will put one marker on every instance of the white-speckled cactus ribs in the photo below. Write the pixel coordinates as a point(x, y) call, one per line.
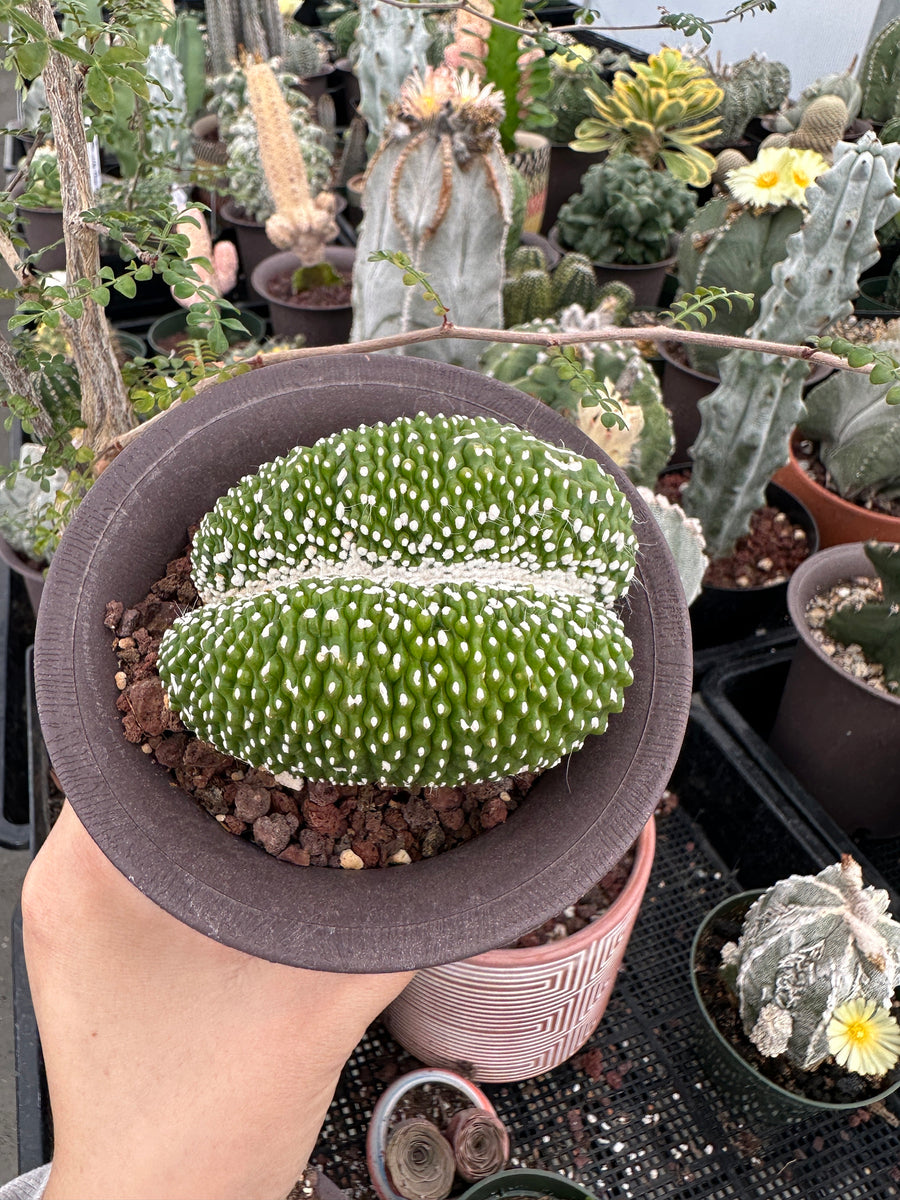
point(420, 603)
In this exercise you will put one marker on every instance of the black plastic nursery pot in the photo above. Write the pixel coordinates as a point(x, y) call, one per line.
point(646, 280)
point(580, 817)
point(527, 1184)
point(321, 325)
point(174, 324)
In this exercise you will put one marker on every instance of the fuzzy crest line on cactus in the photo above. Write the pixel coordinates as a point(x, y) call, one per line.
point(425, 602)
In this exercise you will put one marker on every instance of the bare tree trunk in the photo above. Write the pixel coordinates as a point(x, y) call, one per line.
point(105, 409)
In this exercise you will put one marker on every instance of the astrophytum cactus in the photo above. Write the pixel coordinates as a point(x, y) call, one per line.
point(425, 602)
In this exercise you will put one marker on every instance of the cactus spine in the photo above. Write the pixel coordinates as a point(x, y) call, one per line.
point(390, 44)
point(251, 26)
point(808, 945)
point(879, 74)
point(747, 420)
point(378, 604)
point(299, 223)
point(439, 163)
point(875, 627)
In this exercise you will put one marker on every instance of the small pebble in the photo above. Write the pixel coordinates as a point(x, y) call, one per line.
point(400, 859)
point(121, 680)
point(351, 861)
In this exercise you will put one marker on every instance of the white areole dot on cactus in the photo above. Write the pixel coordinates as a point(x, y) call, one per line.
point(420, 603)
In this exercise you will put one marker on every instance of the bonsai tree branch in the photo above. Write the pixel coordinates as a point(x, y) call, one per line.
point(104, 400)
point(21, 383)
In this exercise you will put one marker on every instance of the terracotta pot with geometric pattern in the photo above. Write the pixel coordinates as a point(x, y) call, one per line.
point(517, 1012)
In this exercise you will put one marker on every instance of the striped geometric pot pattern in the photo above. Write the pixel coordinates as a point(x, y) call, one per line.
point(514, 1013)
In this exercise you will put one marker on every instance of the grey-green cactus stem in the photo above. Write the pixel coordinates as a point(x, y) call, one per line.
point(389, 45)
point(747, 421)
point(809, 944)
point(424, 602)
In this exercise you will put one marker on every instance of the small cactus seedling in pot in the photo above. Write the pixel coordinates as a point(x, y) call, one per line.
point(421, 603)
point(875, 626)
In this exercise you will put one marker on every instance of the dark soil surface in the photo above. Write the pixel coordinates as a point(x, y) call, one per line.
point(769, 554)
point(330, 295)
point(808, 458)
point(319, 824)
point(437, 1102)
point(828, 1082)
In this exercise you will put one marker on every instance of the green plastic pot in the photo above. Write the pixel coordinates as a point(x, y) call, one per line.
point(762, 1101)
point(526, 1182)
point(176, 322)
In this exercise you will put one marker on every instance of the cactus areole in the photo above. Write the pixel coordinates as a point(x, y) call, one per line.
point(419, 603)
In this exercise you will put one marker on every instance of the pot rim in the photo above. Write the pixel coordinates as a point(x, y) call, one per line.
point(272, 264)
point(581, 815)
point(819, 571)
point(796, 1098)
point(507, 957)
point(376, 1134)
point(552, 236)
point(840, 503)
point(529, 1175)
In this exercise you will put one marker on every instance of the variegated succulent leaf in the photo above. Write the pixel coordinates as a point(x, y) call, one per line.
point(425, 602)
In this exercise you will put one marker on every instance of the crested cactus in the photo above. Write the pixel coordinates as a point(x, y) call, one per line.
point(625, 212)
point(747, 421)
point(301, 223)
point(643, 447)
point(879, 74)
point(378, 606)
point(751, 88)
point(440, 162)
point(252, 26)
point(808, 945)
point(857, 431)
point(875, 627)
point(390, 44)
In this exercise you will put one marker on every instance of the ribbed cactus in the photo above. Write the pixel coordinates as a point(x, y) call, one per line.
point(879, 74)
point(751, 88)
point(875, 627)
point(424, 602)
point(857, 431)
point(809, 944)
point(574, 282)
point(437, 190)
point(735, 247)
point(531, 292)
point(342, 32)
point(747, 421)
point(643, 447)
point(625, 212)
point(820, 128)
point(303, 54)
point(842, 85)
point(252, 26)
point(300, 223)
point(390, 44)
point(684, 537)
point(167, 128)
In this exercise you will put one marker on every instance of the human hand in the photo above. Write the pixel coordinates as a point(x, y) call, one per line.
point(177, 1067)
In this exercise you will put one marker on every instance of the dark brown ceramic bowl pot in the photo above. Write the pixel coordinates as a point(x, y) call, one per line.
point(578, 820)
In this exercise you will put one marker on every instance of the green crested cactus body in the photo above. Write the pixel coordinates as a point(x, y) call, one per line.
point(644, 446)
point(808, 945)
point(875, 627)
point(625, 212)
point(747, 421)
point(389, 45)
point(424, 602)
point(736, 248)
point(879, 74)
point(857, 431)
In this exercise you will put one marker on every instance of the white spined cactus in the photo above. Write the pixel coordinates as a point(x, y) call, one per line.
point(420, 603)
point(810, 944)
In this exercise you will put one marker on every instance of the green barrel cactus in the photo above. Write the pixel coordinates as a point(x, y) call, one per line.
point(420, 603)
point(808, 945)
point(643, 447)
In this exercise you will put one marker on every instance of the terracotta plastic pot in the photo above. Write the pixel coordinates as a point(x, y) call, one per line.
point(515, 1013)
point(836, 734)
point(321, 325)
point(44, 227)
point(525, 1182)
point(838, 520)
point(379, 1124)
point(567, 167)
point(684, 388)
point(645, 279)
point(532, 159)
point(759, 1099)
point(580, 817)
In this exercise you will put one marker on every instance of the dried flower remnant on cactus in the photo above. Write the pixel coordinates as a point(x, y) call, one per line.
point(864, 1038)
point(425, 602)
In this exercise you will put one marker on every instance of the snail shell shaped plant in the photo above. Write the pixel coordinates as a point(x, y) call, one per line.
point(421, 603)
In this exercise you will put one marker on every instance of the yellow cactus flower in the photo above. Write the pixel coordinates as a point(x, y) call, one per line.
point(802, 168)
point(763, 183)
point(863, 1037)
point(572, 57)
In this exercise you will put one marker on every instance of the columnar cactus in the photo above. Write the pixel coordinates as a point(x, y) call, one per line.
point(879, 74)
point(747, 421)
point(820, 128)
point(168, 132)
point(254, 26)
point(875, 627)
point(438, 190)
point(530, 292)
point(389, 45)
point(300, 223)
point(643, 447)
point(425, 602)
point(808, 945)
